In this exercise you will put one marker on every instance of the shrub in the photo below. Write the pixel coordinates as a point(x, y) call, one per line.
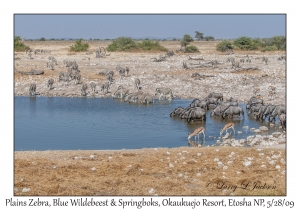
point(245, 43)
point(269, 48)
point(19, 46)
point(128, 44)
point(209, 38)
point(191, 49)
point(78, 47)
point(122, 44)
point(151, 45)
point(224, 45)
point(42, 39)
point(186, 40)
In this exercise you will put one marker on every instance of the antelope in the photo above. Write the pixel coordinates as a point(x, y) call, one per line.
point(226, 127)
point(272, 88)
point(272, 94)
point(256, 91)
point(196, 133)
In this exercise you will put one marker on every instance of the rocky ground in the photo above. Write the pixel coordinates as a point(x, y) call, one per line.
point(258, 160)
point(169, 73)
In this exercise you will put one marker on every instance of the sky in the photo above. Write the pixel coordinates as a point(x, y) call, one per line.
point(111, 26)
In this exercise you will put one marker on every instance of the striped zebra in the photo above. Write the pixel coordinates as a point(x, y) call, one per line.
point(83, 89)
point(122, 71)
point(105, 86)
point(93, 87)
point(137, 83)
point(32, 89)
point(164, 92)
point(50, 83)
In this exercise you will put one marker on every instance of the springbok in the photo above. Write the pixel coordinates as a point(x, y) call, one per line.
point(226, 127)
point(196, 133)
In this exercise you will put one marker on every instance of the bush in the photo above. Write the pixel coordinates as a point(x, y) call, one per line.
point(122, 44)
point(151, 45)
point(128, 44)
point(269, 48)
point(19, 46)
point(224, 46)
point(245, 43)
point(191, 49)
point(42, 39)
point(209, 38)
point(79, 47)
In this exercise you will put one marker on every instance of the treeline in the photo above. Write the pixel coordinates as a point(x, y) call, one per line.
point(246, 43)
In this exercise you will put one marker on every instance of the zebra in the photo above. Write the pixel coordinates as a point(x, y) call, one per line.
point(64, 76)
point(93, 87)
point(50, 83)
point(83, 89)
point(77, 78)
point(122, 71)
point(104, 86)
point(235, 65)
point(230, 59)
point(242, 60)
point(164, 92)
point(248, 60)
point(137, 83)
point(120, 92)
point(32, 89)
point(265, 59)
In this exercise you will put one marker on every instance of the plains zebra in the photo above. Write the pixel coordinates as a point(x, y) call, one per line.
point(164, 92)
point(83, 89)
point(32, 89)
point(50, 83)
point(122, 71)
point(137, 83)
point(93, 87)
point(105, 86)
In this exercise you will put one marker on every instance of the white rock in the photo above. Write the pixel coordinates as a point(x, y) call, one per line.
point(238, 172)
point(282, 161)
point(198, 174)
point(283, 172)
point(225, 167)
point(180, 175)
point(199, 154)
point(263, 128)
point(272, 162)
point(247, 163)
point(184, 163)
point(216, 159)
point(220, 164)
point(168, 153)
point(230, 162)
point(26, 189)
point(151, 191)
point(277, 167)
point(92, 156)
point(93, 168)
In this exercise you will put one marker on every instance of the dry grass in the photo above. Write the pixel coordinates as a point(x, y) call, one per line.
point(177, 171)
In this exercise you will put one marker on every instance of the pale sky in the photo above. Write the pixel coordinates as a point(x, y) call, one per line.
point(111, 26)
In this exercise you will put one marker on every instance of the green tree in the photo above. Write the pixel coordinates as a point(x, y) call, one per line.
point(186, 40)
point(245, 43)
point(279, 42)
point(199, 36)
point(42, 39)
point(224, 45)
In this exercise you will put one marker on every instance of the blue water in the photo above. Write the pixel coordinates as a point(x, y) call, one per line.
point(58, 123)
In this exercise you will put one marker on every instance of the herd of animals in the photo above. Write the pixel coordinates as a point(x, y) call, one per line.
point(195, 111)
point(228, 109)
